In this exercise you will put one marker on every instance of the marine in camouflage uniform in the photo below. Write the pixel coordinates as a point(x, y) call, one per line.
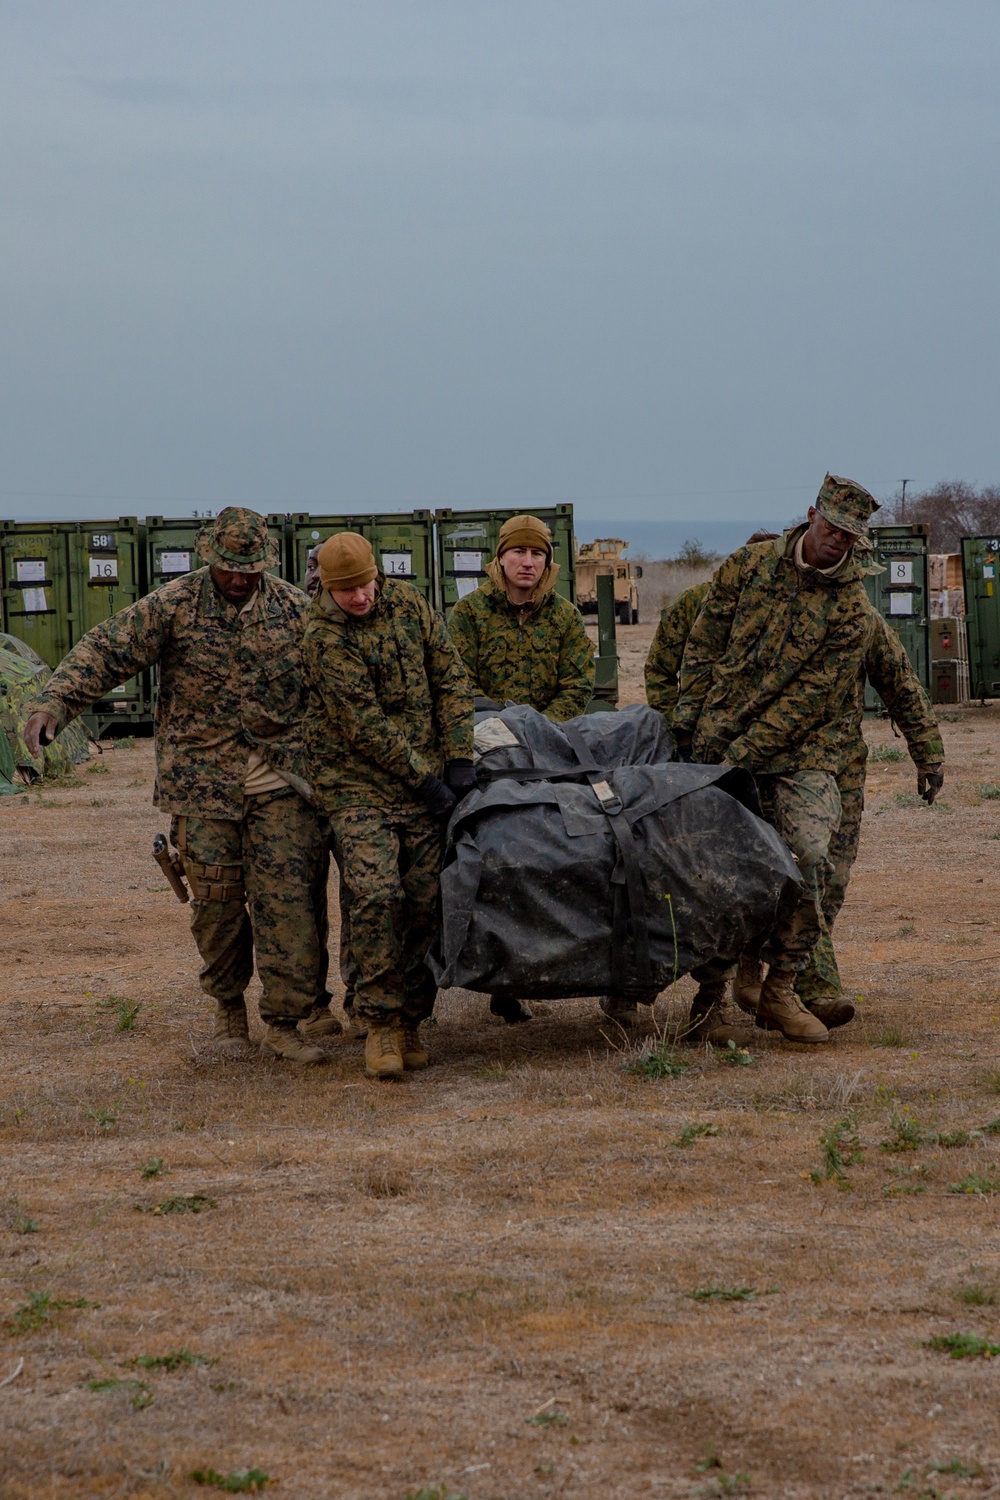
point(887, 667)
point(663, 664)
point(229, 771)
point(390, 714)
point(532, 649)
point(768, 680)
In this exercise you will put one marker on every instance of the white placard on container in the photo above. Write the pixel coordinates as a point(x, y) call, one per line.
point(901, 604)
point(397, 564)
point(467, 562)
point(466, 586)
point(988, 570)
point(31, 570)
point(35, 602)
point(104, 569)
point(175, 562)
point(901, 570)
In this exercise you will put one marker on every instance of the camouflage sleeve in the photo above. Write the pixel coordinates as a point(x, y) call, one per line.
point(575, 672)
point(450, 687)
point(663, 663)
point(107, 655)
point(888, 669)
point(464, 631)
point(708, 641)
point(339, 674)
point(823, 679)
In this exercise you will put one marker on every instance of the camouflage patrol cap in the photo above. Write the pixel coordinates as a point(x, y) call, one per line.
point(239, 541)
point(846, 504)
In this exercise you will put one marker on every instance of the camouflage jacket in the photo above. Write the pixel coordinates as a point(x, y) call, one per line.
point(389, 700)
point(543, 658)
point(23, 676)
point(229, 682)
point(663, 664)
point(770, 671)
point(887, 667)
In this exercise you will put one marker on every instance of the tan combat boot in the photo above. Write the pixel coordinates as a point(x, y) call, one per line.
point(231, 1037)
point(620, 1009)
point(832, 1010)
point(747, 982)
point(412, 1048)
point(706, 1023)
point(781, 1009)
point(284, 1041)
point(383, 1052)
point(320, 1023)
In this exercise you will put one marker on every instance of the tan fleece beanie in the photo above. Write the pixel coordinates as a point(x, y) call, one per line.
point(346, 561)
point(525, 531)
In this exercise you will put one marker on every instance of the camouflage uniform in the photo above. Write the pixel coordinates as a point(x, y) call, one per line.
point(663, 664)
point(389, 704)
point(537, 653)
point(22, 676)
point(230, 682)
point(887, 667)
point(768, 679)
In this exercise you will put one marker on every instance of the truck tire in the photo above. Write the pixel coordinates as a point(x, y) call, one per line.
point(635, 617)
point(625, 613)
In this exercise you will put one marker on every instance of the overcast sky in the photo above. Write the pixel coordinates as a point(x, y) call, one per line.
point(668, 260)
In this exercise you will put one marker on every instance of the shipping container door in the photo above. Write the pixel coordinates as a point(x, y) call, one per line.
point(34, 568)
point(901, 596)
point(982, 610)
point(106, 576)
point(403, 544)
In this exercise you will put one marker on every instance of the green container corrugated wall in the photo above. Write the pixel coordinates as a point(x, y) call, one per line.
point(60, 579)
point(467, 539)
point(403, 544)
point(901, 596)
point(980, 556)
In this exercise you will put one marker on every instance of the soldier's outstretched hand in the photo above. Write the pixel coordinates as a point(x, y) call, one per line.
point(41, 729)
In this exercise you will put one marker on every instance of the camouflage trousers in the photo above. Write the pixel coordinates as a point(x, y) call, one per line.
point(268, 901)
point(821, 978)
point(389, 865)
point(804, 807)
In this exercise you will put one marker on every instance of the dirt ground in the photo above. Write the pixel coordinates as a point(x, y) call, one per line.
point(481, 1282)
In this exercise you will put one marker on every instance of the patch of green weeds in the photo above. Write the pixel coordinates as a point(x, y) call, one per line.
point(726, 1484)
point(172, 1361)
point(691, 1133)
point(184, 1203)
point(979, 1184)
point(127, 742)
point(887, 754)
point(952, 1139)
point(98, 769)
point(239, 1482)
point(962, 1346)
point(735, 1057)
point(907, 930)
point(891, 1036)
point(98, 802)
point(659, 1061)
point(908, 799)
point(841, 1148)
point(154, 1167)
point(123, 1009)
point(957, 1467)
point(989, 791)
point(907, 1134)
point(494, 1072)
point(40, 1311)
point(991, 1081)
point(977, 1294)
point(993, 1128)
point(908, 1482)
point(105, 1118)
point(552, 1418)
point(712, 1293)
point(140, 1398)
point(912, 1182)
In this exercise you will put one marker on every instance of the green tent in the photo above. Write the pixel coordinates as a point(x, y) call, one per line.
point(22, 674)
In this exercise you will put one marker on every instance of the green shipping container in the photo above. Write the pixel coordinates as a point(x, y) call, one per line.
point(170, 547)
point(64, 577)
point(982, 613)
point(403, 544)
point(901, 596)
point(467, 539)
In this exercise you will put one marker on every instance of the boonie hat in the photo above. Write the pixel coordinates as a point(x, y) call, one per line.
point(239, 541)
point(346, 561)
point(846, 504)
point(525, 531)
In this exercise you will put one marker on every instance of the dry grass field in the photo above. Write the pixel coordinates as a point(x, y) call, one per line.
point(530, 1271)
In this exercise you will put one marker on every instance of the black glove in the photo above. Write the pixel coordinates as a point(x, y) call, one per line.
point(682, 739)
point(930, 780)
point(438, 799)
point(460, 777)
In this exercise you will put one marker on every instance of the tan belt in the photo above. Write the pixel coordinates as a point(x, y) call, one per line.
point(209, 882)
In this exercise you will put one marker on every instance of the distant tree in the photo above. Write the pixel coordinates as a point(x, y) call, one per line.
point(694, 555)
point(952, 509)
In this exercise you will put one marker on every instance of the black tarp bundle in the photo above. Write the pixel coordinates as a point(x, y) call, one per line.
point(589, 862)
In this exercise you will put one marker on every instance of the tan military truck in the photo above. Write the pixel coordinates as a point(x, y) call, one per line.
point(603, 558)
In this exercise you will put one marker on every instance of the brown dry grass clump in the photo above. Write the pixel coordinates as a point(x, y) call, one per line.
point(481, 1282)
